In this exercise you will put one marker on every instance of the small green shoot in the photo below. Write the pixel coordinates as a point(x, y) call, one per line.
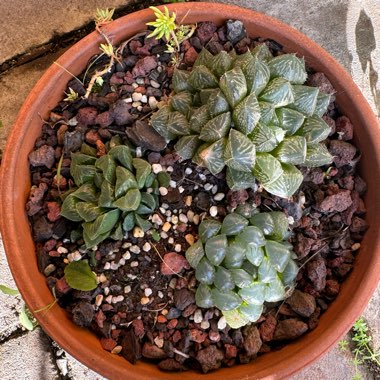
point(343, 345)
point(164, 25)
point(9, 291)
point(27, 320)
point(107, 49)
point(72, 96)
point(103, 16)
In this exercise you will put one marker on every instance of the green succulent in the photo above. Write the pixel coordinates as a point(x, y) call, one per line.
point(110, 198)
point(241, 263)
point(251, 113)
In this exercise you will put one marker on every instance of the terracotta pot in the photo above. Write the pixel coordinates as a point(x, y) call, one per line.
point(19, 246)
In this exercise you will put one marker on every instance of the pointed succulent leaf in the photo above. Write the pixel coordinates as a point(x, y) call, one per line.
point(237, 180)
point(267, 112)
point(181, 102)
point(240, 152)
point(255, 255)
point(205, 58)
point(251, 312)
point(288, 66)
point(106, 196)
point(292, 150)
point(277, 254)
point(235, 255)
point(314, 129)
point(253, 294)
point(180, 81)
point(287, 184)
point(246, 209)
point(234, 86)
point(143, 169)
point(279, 92)
point(205, 272)
point(82, 173)
point(251, 236)
point(69, 208)
point(98, 179)
point(199, 118)
point(92, 242)
point(221, 63)
point(206, 94)
point(177, 124)
point(317, 155)
point(108, 167)
point(246, 114)
point(305, 99)
point(250, 268)
point(195, 253)
point(122, 154)
point(266, 272)
point(266, 137)
point(217, 104)
point(241, 59)
point(208, 228)
point(129, 222)
point(290, 120)
point(89, 211)
point(82, 159)
point(264, 221)
point(234, 318)
point(262, 52)
point(125, 180)
point(280, 226)
point(211, 156)
point(225, 300)
point(275, 291)
point(186, 146)
point(257, 75)
point(215, 249)
point(88, 150)
point(203, 297)
point(117, 232)
point(323, 101)
point(216, 128)
point(241, 278)
point(159, 121)
point(147, 205)
point(128, 202)
point(233, 224)
point(201, 77)
point(267, 168)
point(144, 224)
point(87, 192)
point(102, 224)
point(290, 273)
point(223, 280)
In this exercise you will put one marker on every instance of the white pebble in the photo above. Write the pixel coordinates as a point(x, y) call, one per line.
point(175, 219)
point(134, 264)
point(139, 108)
point(159, 342)
point(107, 266)
point(147, 247)
point(121, 262)
point(109, 298)
point(138, 232)
point(106, 291)
point(127, 255)
point(160, 294)
point(173, 283)
point(355, 246)
point(188, 200)
point(144, 300)
point(137, 96)
point(99, 299)
point(127, 289)
point(114, 266)
point(213, 211)
point(173, 184)
point(170, 169)
point(222, 323)
point(135, 85)
point(102, 278)
point(207, 186)
point(205, 325)
point(49, 269)
point(117, 350)
point(148, 292)
point(154, 84)
point(62, 250)
point(136, 104)
point(144, 99)
point(163, 191)
point(188, 171)
point(196, 219)
point(135, 249)
point(165, 206)
point(202, 177)
point(152, 101)
point(138, 152)
point(219, 196)
point(181, 189)
point(198, 317)
point(163, 235)
point(156, 219)
point(178, 248)
point(214, 189)
point(290, 220)
point(190, 216)
point(128, 100)
point(126, 245)
point(170, 240)
point(183, 218)
point(140, 81)
point(156, 168)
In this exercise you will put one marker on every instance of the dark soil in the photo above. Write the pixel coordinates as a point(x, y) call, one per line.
point(140, 308)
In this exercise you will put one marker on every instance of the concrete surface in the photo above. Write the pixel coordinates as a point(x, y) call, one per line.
point(348, 29)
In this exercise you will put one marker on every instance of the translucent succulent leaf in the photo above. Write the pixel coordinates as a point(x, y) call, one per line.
point(240, 152)
point(186, 146)
point(69, 208)
point(242, 59)
point(181, 102)
point(82, 159)
point(205, 272)
point(216, 128)
point(317, 155)
point(177, 124)
point(122, 155)
point(205, 58)
point(117, 232)
point(250, 268)
point(164, 178)
point(206, 94)
point(215, 249)
point(314, 129)
point(212, 156)
point(195, 253)
point(251, 312)
point(129, 222)
point(241, 278)
point(89, 211)
point(199, 118)
point(266, 137)
point(150, 180)
point(221, 63)
point(234, 86)
point(217, 104)
point(147, 205)
point(208, 228)
point(279, 92)
point(201, 77)
point(159, 121)
point(125, 180)
point(87, 192)
point(287, 184)
point(180, 81)
point(289, 67)
point(108, 166)
point(280, 226)
point(254, 294)
point(82, 173)
point(235, 255)
point(203, 296)
point(323, 101)
point(246, 114)
point(255, 255)
point(144, 224)
point(290, 120)
point(267, 168)
point(98, 179)
point(88, 150)
point(246, 209)
point(267, 112)
point(277, 254)
point(237, 180)
point(251, 236)
point(106, 196)
point(266, 272)
point(233, 224)
point(102, 224)
point(290, 273)
point(143, 169)
point(257, 75)
point(305, 99)
point(92, 242)
point(275, 291)
point(292, 150)
point(223, 279)
point(264, 221)
point(225, 300)
point(129, 202)
point(262, 52)
point(235, 319)
point(197, 158)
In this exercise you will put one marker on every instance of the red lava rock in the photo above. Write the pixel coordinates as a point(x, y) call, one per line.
point(189, 310)
point(131, 347)
point(172, 324)
point(92, 137)
point(36, 196)
point(61, 133)
point(54, 211)
point(332, 288)
point(173, 263)
point(151, 351)
point(358, 225)
point(231, 351)
point(144, 135)
point(344, 128)
point(322, 82)
point(161, 319)
point(138, 328)
point(62, 182)
point(343, 270)
point(108, 344)
point(105, 119)
point(337, 202)
point(171, 365)
point(314, 319)
point(191, 56)
point(83, 312)
point(205, 31)
point(302, 303)
point(252, 341)
point(342, 151)
point(169, 159)
point(214, 336)
point(316, 271)
point(144, 66)
point(87, 116)
point(134, 45)
point(235, 198)
point(49, 245)
point(121, 113)
point(43, 156)
point(267, 328)
point(101, 148)
point(62, 287)
point(115, 79)
point(100, 318)
point(210, 358)
point(289, 329)
point(303, 245)
point(176, 336)
point(197, 335)
point(284, 309)
point(183, 298)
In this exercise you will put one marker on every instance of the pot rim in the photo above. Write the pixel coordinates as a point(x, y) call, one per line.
point(14, 226)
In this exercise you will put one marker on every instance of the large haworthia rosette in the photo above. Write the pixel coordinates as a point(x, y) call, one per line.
point(242, 263)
